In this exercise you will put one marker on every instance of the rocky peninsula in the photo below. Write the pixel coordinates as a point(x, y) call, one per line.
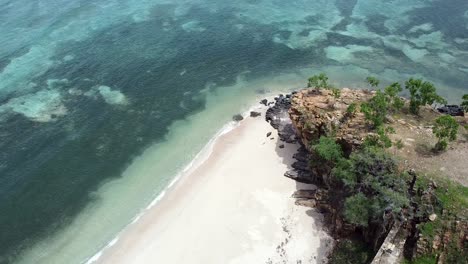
point(387, 194)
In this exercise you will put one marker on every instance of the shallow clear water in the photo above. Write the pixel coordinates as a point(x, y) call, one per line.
point(90, 93)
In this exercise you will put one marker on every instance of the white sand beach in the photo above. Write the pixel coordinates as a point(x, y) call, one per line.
point(235, 207)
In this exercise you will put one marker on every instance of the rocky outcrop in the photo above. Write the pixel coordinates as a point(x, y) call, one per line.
point(316, 113)
point(307, 115)
point(278, 117)
point(453, 110)
point(255, 114)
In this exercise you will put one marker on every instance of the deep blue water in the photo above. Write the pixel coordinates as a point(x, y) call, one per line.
point(86, 86)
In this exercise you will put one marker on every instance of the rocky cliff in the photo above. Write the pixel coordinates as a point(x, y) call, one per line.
point(315, 113)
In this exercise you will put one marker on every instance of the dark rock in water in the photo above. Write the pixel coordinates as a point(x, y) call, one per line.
point(271, 103)
point(237, 117)
point(255, 114)
point(453, 110)
point(264, 102)
point(288, 96)
point(281, 146)
point(268, 134)
point(299, 176)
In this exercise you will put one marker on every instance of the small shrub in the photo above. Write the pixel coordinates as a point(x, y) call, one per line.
point(381, 139)
point(336, 92)
point(318, 81)
point(351, 110)
point(422, 93)
point(375, 110)
point(445, 129)
point(373, 82)
point(399, 144)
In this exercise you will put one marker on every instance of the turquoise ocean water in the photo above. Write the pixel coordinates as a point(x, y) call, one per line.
point(103, 103)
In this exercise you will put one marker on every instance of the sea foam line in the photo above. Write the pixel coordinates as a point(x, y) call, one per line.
point(198, 160)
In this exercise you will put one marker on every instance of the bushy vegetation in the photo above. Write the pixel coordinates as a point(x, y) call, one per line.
point(373, 82)
point(318, 81)
point(450, 206)
point(422, 93)
point(328, 149)
point(394, 102)
point(375, 110)
point(381, 139)
point(445, 129)
point(351, 110)
point(374, 183)
point(336, 92)
point(464, 103)
point(349, 251)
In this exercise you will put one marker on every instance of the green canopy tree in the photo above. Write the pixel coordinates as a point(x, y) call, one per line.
point(394, 101)
point(375, 110)
point(422, 93)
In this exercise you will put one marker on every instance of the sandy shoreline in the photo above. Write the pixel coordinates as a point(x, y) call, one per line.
point(233, 208)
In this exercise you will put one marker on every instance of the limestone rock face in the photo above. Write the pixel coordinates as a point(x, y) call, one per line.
point(316, 113)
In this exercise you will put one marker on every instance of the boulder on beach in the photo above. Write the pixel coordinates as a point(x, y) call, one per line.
point(238, 117)
point(255, 114)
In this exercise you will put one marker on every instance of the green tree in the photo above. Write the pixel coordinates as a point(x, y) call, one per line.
point(422, 93)
point(318, 81)
point(357, 209)
point(445, 129)
point(464, 104)
point(375, 110)
point(373, 82)
point(371, 172)
point(328, 149)
point(392, 91)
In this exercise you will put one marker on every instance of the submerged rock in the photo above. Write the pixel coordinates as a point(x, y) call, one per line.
point(264, 102)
